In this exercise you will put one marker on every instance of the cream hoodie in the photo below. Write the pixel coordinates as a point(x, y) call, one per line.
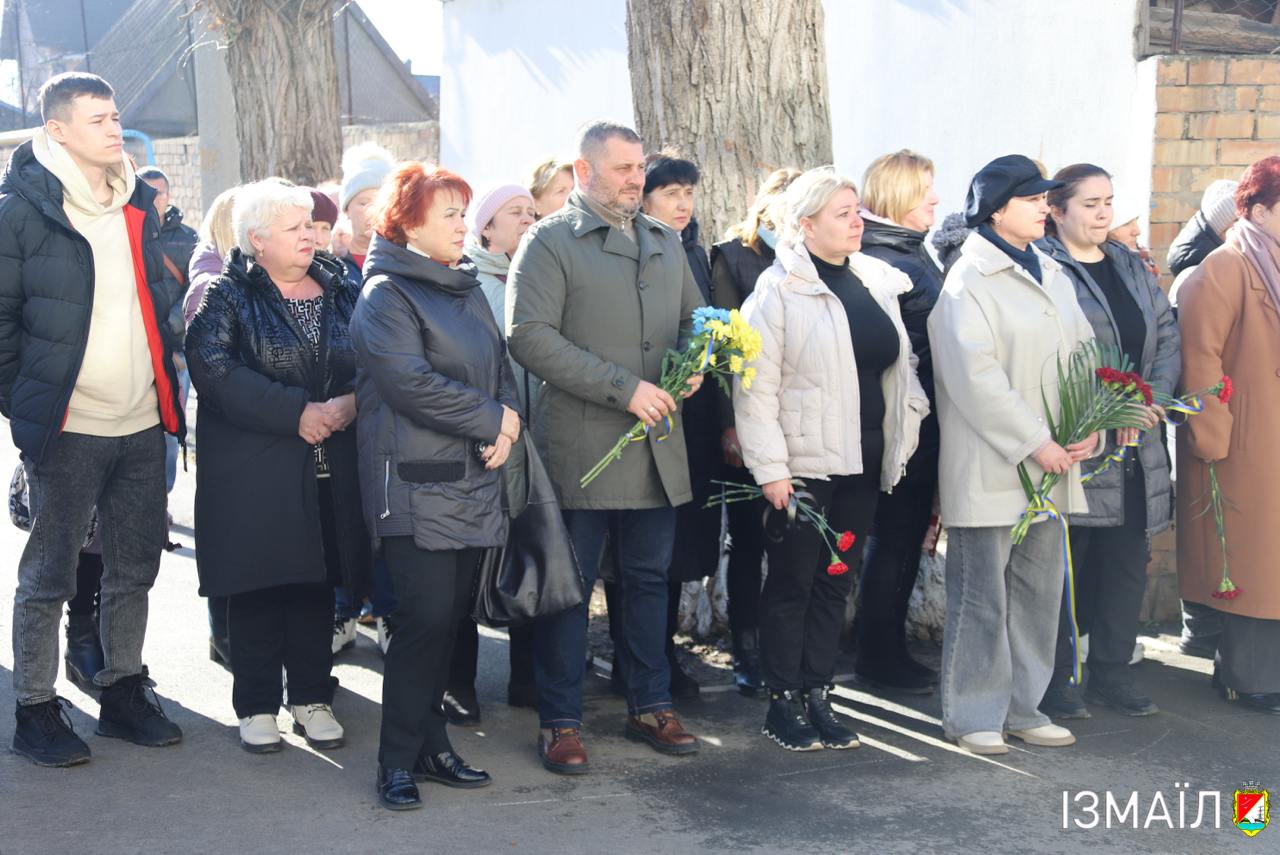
point(115, 391)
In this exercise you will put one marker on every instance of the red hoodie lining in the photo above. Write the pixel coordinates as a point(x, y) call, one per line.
point(134, 219)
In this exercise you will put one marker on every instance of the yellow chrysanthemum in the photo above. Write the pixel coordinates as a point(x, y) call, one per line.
point(748, 377)
point(735, 364)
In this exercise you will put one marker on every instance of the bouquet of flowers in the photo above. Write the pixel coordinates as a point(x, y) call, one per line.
point(1096, 391)
point(721, 346)
point(800, 507)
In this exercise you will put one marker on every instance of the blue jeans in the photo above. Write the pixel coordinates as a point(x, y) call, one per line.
point(642, 540)
point(382, 595)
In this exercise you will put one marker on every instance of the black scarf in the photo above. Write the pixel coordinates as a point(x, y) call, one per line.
point(1026, 258)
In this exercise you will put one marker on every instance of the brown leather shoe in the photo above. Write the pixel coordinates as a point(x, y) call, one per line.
point(668, 736)
point(564, 753)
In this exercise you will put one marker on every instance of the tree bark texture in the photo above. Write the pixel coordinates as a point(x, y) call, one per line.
point(739, 86)
point(284, 75)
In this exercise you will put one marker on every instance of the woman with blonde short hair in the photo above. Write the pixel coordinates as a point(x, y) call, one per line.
point(836, 402)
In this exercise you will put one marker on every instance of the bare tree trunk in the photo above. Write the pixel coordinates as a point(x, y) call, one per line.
point(280, 54)
point(740, 86)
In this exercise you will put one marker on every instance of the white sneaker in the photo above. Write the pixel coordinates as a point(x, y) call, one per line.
point(317, 724)
point(1049, 735)
point(983, 742)
point(1139, 653)
point(259, 734)
point(344, 634)
point(384, 635)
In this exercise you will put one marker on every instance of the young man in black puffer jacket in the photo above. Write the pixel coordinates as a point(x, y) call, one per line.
point(88, 385)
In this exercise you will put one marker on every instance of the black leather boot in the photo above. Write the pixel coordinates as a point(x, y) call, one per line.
point(84, 657)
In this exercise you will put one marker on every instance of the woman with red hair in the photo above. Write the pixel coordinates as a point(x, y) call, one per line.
point(1227, 311)
point(438, 419)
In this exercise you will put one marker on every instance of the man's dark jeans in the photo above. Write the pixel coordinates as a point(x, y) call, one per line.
point(642, 540)
point(124, 477)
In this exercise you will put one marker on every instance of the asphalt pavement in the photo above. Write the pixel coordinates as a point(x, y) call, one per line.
point(905, 790)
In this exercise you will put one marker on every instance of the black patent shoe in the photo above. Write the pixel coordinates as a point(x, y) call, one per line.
point(1123, 697)
point(787, 723)
point(451, 770)
point(84, 657)
point(397, 791)
point(461, 707)
point(131, 711)
point(1062, 700)
point(45, 737)
point(831, 730)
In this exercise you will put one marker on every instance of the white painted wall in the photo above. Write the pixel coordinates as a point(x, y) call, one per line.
point(520, 78)
point(962, 81)
point(965, 81)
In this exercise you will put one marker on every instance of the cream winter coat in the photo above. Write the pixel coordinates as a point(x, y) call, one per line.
point(997, 335)
point(799, 419)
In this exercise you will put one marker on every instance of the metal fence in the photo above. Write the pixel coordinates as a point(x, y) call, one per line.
point(1212, 26)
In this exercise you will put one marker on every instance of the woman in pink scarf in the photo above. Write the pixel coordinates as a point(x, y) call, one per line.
point(1229, 314)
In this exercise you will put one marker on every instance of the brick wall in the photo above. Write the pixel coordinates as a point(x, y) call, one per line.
point(179, 157)
point(1214, 116)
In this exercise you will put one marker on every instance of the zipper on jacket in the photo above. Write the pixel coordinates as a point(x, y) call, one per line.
point(386, 491)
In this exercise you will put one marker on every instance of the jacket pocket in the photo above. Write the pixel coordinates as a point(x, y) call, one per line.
point(801, 418)
point(431, 471)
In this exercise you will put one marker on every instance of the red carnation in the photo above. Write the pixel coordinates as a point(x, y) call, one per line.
point(1224, 394)
point(1145, 389)
point(837, 568)
point(846, 540)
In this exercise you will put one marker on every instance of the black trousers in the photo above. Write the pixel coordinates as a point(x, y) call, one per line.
point(290, 626)
point(891, 564)
point(88, 585)
point(433, 593)
point(466, 655)
point(1111, 578)
point(745, 559)
point(802, 606)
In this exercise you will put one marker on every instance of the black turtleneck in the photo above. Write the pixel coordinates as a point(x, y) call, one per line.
point(875, 340)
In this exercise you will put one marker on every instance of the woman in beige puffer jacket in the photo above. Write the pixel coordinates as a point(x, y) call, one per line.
point(836, 405)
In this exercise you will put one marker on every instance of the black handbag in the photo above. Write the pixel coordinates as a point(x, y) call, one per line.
point(536, 573)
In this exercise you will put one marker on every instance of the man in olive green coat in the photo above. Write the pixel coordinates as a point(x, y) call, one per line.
point(597, 294)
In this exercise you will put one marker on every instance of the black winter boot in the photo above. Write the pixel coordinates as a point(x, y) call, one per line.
point(131, 711)
point(45, 737)
point(84, 658)
point(824, 719)
point(788, 725)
